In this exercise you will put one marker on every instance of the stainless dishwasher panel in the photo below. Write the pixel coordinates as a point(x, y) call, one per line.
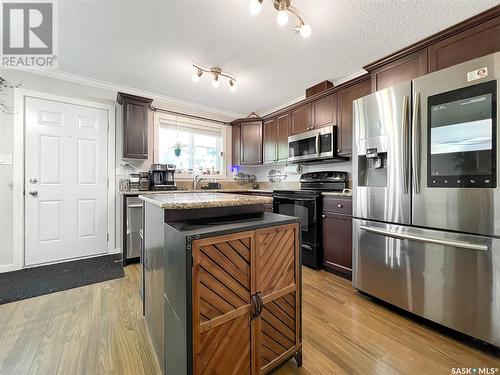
point(449, 278)
point(134, 227)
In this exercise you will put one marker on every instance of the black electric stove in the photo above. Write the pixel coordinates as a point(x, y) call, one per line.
point(306, 204)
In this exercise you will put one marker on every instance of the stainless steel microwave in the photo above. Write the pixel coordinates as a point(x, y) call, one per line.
point(317, 144)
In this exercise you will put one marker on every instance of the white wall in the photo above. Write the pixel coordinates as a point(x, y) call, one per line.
point(78, 90)
point(261, 172)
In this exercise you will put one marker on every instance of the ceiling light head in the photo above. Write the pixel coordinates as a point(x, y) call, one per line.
point(232, 85)
point(197, 74)
point(282, 17)
point(304, 30)
point(215, 81)
point(255, 6)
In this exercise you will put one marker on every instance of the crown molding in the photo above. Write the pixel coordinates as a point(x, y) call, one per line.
point(282, 106)
point(350, 77)
point(336, 85)
point(164, 99)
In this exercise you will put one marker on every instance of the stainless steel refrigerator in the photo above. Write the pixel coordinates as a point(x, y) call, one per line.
point(426, 203)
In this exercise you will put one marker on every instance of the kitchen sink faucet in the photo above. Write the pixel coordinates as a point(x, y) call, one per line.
point(197, 179)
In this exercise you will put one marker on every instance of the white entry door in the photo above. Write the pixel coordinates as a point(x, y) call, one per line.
point(65, 181)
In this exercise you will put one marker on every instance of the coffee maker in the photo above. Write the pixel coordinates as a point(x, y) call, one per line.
point(162, 177)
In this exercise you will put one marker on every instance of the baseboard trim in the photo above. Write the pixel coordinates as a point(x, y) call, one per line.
point(37, 281)
point(6, 268)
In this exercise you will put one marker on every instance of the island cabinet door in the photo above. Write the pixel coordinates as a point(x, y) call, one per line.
point(221, 304)
point(276, 330)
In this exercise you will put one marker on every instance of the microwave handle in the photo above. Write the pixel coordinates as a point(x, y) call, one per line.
point(318, 145)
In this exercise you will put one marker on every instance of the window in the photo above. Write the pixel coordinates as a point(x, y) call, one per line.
point(193, 146)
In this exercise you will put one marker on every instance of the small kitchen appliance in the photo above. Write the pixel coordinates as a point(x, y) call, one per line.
point(162, 177)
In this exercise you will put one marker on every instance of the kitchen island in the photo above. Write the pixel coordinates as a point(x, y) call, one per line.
point(222, 283)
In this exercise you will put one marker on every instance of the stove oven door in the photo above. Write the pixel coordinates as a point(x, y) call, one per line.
point(306, 207)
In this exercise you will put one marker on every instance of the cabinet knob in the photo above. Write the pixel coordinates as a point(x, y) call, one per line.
point(339, 206)
point(323, 216)
point(339, 150)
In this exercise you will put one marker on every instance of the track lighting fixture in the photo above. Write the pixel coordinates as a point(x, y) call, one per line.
point(283, 7)
point(216, 73)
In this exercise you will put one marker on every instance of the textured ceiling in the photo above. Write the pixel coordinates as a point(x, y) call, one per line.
point(149, 45)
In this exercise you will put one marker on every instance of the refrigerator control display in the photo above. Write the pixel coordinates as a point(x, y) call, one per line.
point(462, 137)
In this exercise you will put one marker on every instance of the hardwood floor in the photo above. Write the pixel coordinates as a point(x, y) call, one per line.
point(95, 329)
point(98, 329)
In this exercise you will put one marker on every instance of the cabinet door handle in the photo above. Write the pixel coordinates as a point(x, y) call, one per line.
point(254, 307)
point(261, 302)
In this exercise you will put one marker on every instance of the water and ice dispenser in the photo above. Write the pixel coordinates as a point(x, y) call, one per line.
point(372, 162)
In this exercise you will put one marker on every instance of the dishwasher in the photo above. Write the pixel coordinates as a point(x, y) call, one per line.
point(134, 228)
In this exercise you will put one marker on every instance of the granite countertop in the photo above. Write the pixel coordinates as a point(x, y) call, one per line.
point(160, 192)
point(191, 200)
point(233, 190)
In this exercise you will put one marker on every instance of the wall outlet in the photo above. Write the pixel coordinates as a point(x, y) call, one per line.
point(5, 159)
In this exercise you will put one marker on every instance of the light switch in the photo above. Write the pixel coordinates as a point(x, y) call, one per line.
point(6, 159)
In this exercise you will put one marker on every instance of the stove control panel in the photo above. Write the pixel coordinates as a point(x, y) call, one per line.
point(327, 176)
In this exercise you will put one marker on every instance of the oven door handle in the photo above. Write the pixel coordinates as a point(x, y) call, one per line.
point(295, 199)
point(436, 241)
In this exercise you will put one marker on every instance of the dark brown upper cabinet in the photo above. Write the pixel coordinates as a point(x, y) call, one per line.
point(236, 143)
point(401, 70)
point(318, 114)
point(247, 141)
point(301, 118)
point(270, 133)
point(135, 116)
point(325, 111)
point(283, 129)
point(471, 43)
point(275, 138)
point(345, 98)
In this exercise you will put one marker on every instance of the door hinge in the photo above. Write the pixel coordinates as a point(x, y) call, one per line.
point(108, 127)
point(108, 182)
point(107, 237)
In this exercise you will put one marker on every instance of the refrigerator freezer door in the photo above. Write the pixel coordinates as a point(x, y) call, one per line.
point(380, 158)
point(454, 149)
point(452, 279)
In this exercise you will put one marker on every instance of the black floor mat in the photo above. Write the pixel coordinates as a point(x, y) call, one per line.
point(32, 282)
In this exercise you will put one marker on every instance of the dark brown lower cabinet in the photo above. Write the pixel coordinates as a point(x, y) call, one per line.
point(337, 240)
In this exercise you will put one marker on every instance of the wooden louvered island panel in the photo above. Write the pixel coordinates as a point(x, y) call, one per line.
point(232, 293)
point(245, 298)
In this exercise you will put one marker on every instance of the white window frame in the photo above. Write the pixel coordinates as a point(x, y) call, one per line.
point(186, 122)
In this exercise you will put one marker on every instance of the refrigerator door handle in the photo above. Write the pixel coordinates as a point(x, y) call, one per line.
point(405, 162)
point(416, 144)
point(437, 241)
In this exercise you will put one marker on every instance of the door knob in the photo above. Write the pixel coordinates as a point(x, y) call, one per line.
point(33, 180)
point(33, 193)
